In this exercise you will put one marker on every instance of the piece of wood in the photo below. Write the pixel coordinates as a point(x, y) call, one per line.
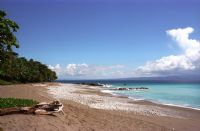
point(40, 109)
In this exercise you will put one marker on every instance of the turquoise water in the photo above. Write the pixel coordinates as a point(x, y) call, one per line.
point(179, 94)
point(187, 95)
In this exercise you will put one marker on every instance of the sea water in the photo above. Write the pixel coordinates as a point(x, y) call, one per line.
point(180, 94)
point(170, 93)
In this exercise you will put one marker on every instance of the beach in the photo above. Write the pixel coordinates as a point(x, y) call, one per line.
point(88, 108)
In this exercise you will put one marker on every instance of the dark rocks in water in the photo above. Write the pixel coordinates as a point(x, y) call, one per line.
point(90, 84)
point(122, 89)
point(138, 88)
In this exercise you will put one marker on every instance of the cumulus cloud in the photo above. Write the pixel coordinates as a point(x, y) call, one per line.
point(77, 69)
point(86, 71)
point(188, 61)
point(56, 68)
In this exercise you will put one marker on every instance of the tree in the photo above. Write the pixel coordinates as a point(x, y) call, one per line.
point(7, 40)
point(7, 37)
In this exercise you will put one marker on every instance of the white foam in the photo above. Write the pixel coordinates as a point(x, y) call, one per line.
point(182, 106)
point(136, 99)
point(106, 85)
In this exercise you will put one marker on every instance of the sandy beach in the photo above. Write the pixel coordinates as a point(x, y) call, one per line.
point(88, 108)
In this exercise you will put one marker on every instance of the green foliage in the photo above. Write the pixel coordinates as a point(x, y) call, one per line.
point(7, 29)
point(14, 68)
point(22, 70)
point(16, 102)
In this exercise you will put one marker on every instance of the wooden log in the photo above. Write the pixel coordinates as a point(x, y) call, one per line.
point(40, 109)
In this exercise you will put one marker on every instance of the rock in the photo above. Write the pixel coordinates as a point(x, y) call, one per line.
point(90, 84)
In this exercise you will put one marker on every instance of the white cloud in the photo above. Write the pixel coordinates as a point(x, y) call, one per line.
point(181, 36)
point(56, 68)
point(86, 71)
point(77, 69)
point(189, 60)
point(186, 62)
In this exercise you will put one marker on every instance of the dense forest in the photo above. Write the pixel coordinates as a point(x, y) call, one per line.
point(15, 69)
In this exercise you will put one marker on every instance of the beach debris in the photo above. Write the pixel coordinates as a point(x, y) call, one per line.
point(42, 108)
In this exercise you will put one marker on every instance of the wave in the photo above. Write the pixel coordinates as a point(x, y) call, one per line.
point(150, 100)
point(105, 85)
point(182, 106)
point(188, 106)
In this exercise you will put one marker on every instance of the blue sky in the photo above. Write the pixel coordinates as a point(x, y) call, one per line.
point(113, 38)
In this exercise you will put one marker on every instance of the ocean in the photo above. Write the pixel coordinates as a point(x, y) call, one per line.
point(168, 93)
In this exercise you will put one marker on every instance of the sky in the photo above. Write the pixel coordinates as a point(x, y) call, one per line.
point(95, 39)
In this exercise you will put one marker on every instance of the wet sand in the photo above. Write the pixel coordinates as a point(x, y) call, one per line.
point(80, 115)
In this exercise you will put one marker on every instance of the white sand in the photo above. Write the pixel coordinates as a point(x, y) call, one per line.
point(69, 92)
point(39, 84)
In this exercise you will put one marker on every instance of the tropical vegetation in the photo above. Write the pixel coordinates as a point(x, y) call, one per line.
point(16, 102)
point(15, 69)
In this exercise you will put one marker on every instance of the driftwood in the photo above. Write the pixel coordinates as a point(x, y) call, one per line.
point(40, 109)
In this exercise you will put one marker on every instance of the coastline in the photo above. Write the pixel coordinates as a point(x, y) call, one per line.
point(95, 97)
point(146, 101)
point(80, 116)
point(149, 99)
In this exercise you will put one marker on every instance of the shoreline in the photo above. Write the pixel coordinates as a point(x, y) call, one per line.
point(80, 116)
point(105, 90)
point(152, 101)
point(145, 101)
point(111, 101)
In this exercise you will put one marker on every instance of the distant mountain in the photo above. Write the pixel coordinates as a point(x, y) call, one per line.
point(184, 78)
